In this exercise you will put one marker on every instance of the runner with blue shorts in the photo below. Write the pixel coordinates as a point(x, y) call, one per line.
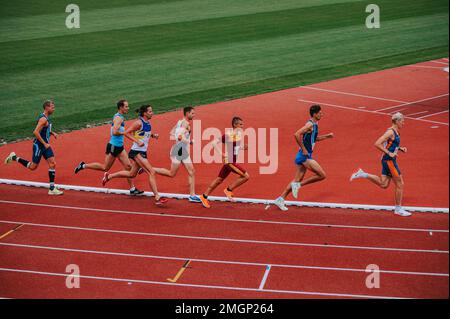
point(389, 145)
point(306, 139)
point(41, 147)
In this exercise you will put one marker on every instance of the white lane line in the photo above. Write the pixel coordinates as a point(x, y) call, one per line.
point(417, 113)
point(110, 211)
point(215, 261)
point(368, 111)
point(352, 94)
point(264, 279)
point(42, 273)
point(422, 117)
point(248, 241)
point(424, 67)
point(439, 62)
point(413, 102)
point(397, 111)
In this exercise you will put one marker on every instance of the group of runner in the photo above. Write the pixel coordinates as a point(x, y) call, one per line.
point(140, 133)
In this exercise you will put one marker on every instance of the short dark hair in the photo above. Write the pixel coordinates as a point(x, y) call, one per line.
point(121, 103)
point(187, 109)
point(235, 120)
point(314, 109)
point(141, 110)
point(47, 103)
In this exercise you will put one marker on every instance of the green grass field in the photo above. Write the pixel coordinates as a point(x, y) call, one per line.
point(177, 52)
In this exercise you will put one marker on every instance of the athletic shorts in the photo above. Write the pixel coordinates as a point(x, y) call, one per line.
point(301, 158)
point(40, 151)
point(132, 154)
point(114, 150)
point(390, 168)
point(231, 168)
point(179, 153)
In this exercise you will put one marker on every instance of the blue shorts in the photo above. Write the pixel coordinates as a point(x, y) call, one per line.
point(301, 158)
point(39, 151)
point(390, 168)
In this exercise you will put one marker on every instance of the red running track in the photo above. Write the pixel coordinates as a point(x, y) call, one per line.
point(128, 245)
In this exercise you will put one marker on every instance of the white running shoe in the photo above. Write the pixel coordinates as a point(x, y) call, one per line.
point(55, 192)
point(9, 159)
point(402, 212)
point(359, 174)
point(295, 187)
point(279, 202)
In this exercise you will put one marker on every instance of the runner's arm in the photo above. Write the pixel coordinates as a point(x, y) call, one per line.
point(117, 122)
point(298, 136)
point(129, 133)
point(379, 144)
point(40, 125)
point(324, 137)
point(181, 137)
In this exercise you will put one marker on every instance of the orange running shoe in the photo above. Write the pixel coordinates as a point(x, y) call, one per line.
point(229, 195)
point(205, 202)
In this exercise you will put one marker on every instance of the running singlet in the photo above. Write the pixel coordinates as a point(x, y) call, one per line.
point(309, 139)
point(391, 145)
point(117, 140)
point(45, 131)
point(143, 135)
point(232, 144)
point(179, 129)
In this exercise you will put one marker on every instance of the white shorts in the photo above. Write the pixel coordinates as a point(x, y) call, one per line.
point(179, 153)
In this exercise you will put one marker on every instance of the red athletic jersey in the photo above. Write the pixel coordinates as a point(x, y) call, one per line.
point(233, 145)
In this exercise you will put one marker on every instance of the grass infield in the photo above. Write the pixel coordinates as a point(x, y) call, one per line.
point(173, 53)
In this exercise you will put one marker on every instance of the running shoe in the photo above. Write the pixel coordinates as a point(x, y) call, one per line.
point(359, 174)
point(161, 201)
point(79, 168)
point(136, 192)
point(401, 212)
point(205, 202)
point(229, 195)
point(55, 192)
point(9, 159)
point(295, 187)
point(194, 199)
point(279, 202)
point(105, 179)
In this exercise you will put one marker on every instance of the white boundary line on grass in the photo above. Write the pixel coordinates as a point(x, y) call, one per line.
point(198, 286)
point(227, 262)
point(234, 220)
point(369, 111)
point(224, 239)
point(224, 199)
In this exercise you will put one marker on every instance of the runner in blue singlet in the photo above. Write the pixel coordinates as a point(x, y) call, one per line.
point(41, 147)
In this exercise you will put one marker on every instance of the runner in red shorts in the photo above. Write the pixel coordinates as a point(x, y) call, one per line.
point(233, 144)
